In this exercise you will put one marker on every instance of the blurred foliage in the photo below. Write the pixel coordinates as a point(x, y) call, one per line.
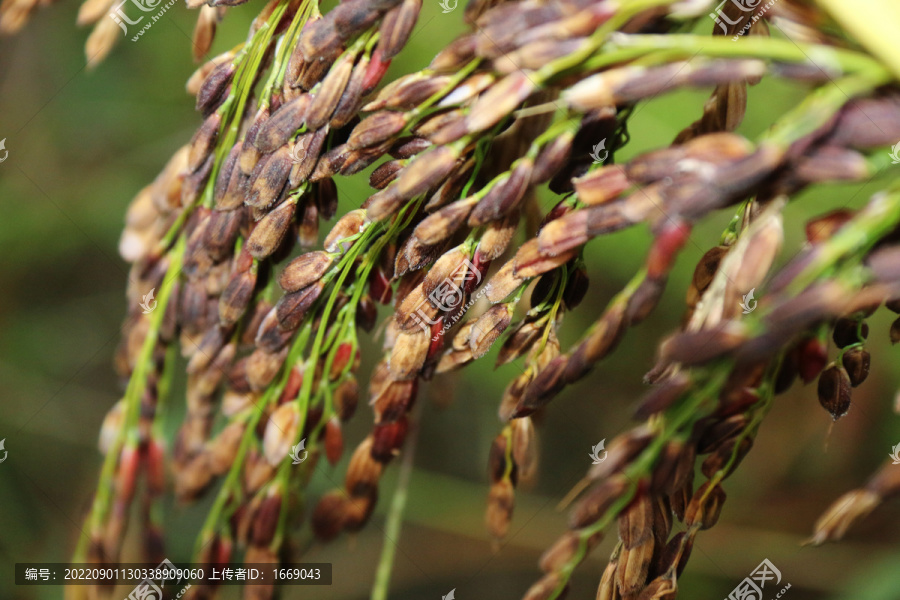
point(82, 142)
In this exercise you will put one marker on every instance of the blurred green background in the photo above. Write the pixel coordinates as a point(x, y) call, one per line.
point(82, 142)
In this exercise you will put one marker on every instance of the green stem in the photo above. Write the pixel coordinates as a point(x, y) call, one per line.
point(394, 522)
point(689, 45)
point(233, 107)
point(288, 42)
point(132, 401)
point(624, 13)
point(858, 236)
point(819, 107)
point(252, 415)
point(421, 109)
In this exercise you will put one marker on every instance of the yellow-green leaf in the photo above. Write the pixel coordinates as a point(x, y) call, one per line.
point(874, 23)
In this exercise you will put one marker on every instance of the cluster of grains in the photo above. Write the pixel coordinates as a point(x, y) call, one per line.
point(268, 319)
point(713, 409)
point(206, 236)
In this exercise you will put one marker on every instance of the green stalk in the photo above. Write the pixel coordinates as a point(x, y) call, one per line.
point(212, 519)
point(422, 110)
point(288, 41)
point(819, 107)
point(244, 77)
point(132, 399)
point(253, 417)
point(689, 45)
point(853, 240)
point(624, 13)
point(392, 527)
point(554, 310)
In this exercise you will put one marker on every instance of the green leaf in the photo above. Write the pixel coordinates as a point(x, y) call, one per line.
point(874, 23)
